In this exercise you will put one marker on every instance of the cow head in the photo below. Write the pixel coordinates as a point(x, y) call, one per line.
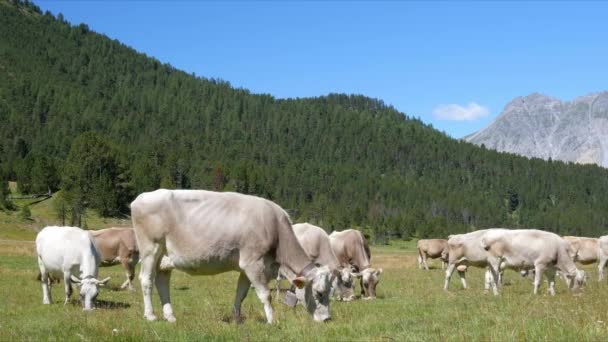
point(577, 280)
point(313, 289)
point(344, 284)
point(89, 289)
point(369, 280)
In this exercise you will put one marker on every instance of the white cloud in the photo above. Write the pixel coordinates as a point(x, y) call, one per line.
point(455, 112)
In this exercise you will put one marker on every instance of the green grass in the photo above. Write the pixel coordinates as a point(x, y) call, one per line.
point(411, 306)
point(12, 227)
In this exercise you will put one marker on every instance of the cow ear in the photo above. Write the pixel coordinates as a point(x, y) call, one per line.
point(300, 282)
point(379, 271)
point(74, 279)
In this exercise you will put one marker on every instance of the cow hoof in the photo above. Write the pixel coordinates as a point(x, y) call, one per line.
point(170, 318)
point(150, 317)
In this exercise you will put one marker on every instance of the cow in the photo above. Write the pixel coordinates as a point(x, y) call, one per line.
point(351, 249)
point(531, 248)
point(317, 246)
point(465, 250)
point(69, 253)
point(118, 245)
point(602, 255)
point(431, 248)
point(583, 250)
point(206, 233)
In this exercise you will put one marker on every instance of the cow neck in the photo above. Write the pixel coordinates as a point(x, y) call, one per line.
point(361, 259)
point(304, 272)
point(90, 260)
point(565, 262)
point(290, 253)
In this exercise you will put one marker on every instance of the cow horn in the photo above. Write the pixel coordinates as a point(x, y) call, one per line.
point(104, 281)
point(75, 279)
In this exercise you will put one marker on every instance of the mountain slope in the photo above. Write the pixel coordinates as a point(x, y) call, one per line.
point(336, 160)
point(544, 127)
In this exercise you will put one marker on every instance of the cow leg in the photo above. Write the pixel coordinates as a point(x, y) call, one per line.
point(600, 267)
point(163, 278)
point(419, 260)
point(67, 282)
point(463, 279)
point(487, 281)
point(255, 273)
point(448, 275)
point(149, 263)
point(242, 288)
point(362, 287)
point(426, 266)
point(539, 270)
point(494, 268)
point(550, 273)
point(442, 265)
point(129, 267)
point(45, 283)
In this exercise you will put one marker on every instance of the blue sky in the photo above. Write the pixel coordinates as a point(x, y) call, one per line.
point(439, 61)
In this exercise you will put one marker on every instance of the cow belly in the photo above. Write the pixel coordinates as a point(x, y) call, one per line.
point(202, 266)
point(111, 262)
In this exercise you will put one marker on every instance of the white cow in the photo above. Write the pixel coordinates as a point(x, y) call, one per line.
point(206, 233)
point(602, 255)
point(317, 246)
point(351, 249)
point(531, 248)
point(431, 248)
point(465, 250)
point(67, 252)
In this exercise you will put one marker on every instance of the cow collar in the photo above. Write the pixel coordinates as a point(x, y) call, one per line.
point(307, 269)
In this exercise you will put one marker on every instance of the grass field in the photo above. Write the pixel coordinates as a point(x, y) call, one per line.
point(411, 305)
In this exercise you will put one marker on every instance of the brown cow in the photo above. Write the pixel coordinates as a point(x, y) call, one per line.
point(118, 246)
point(431, 248)
point(351, 248)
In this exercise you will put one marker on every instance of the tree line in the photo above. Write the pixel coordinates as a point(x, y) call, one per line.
point(87, 115)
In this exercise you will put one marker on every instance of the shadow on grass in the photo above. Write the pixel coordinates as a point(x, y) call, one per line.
point(110, 305)
point(182, 288)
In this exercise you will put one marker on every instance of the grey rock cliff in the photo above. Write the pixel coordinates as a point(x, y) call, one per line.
point(541, 126)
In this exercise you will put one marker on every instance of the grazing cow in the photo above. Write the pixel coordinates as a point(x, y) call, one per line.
point(317, 246)
point(70, 253)
point(530, 248)
point(351, 249)
point(118, 245)
point(583, 250)
point(603, 255)
point(465, 250)
point(431, 248)
point(206, 233)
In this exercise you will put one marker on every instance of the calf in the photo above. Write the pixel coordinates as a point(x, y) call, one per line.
point(118, 245)
point(431, 248)
point(530, 248)
point(351, 249)
point(70, 253)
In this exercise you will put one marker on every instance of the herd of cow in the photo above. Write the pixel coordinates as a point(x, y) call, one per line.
point(206, 233)
point(532, 252)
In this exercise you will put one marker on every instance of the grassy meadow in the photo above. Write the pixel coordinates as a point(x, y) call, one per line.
point(411, 304)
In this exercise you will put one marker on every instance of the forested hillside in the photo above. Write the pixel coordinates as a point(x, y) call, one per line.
point(88, 115)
